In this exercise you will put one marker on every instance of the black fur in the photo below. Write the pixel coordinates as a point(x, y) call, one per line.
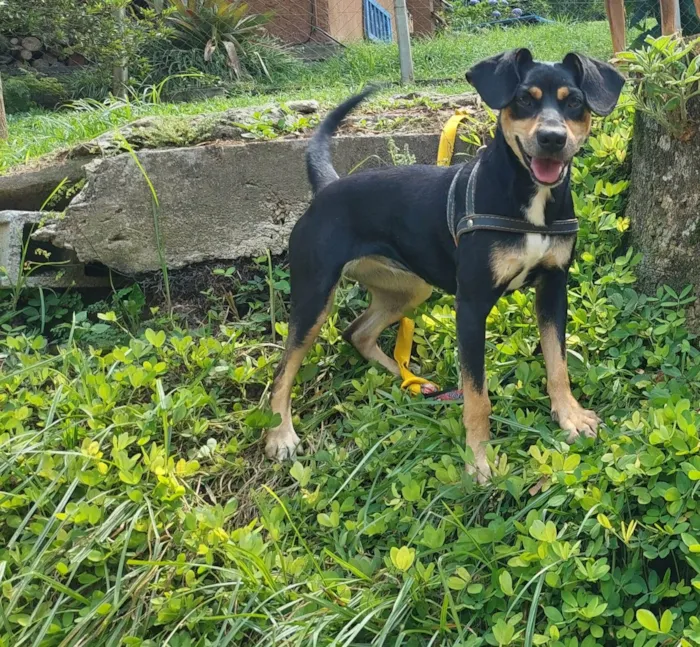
point(319, 164)
point(497, 78)
point(600, 82)
point(399, 213)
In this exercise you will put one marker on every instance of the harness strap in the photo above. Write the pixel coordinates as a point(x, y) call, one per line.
point(472, 221)
point(482, 221)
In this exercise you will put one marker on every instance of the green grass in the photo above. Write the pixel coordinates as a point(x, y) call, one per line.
point(136, 509)
point(444, 57)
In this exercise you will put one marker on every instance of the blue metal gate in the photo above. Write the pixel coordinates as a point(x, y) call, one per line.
point(377, 21)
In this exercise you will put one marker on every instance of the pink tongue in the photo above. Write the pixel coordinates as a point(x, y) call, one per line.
point(546, 170)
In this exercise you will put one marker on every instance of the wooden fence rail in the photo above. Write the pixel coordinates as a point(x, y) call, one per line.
point(670, 19)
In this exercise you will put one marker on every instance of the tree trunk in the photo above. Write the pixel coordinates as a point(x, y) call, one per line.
point(664, 208)
point(4, 134)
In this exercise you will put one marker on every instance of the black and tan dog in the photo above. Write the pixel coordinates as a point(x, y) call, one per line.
point(387, 229)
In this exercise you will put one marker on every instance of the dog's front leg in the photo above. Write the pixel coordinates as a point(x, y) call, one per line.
point(472, 310)
point(551, 307)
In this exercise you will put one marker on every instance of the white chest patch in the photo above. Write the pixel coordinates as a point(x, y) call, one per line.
point(536, 245)
point(512, 265)
point(534, 212)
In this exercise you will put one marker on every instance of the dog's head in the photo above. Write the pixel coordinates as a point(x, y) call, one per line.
point(546, 107)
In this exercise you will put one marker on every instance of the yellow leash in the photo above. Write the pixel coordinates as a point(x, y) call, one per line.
point(449, 136)
point(402, 355)
point(404, 338)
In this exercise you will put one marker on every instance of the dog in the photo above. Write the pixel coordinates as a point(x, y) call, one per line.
point(387, 229)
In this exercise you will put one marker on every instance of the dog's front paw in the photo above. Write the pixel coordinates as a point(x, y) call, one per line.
point(572, 417)
point(480, 468)
point(281, 443)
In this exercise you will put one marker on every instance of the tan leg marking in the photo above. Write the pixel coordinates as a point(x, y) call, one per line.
point(394, 292)
point(507, 263)
point(281, 442)
point(566, 410)
point(559, 252)
point(476, 412)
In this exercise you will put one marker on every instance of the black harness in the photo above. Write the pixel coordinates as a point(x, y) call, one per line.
point(466, 221)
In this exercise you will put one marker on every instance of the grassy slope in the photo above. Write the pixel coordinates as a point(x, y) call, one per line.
point(136, 510)
point(446, 57)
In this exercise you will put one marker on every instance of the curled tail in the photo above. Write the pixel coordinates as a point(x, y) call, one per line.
point(319, 164)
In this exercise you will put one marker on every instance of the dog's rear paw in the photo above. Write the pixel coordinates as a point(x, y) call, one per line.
point(480, 469)
point(572, 417)
point(281, 444)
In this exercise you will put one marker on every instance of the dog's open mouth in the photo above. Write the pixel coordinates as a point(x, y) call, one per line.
point(543, 169)
point(546, 171)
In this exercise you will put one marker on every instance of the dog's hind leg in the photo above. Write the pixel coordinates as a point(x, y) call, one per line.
point(394, 293)
point(311, 301)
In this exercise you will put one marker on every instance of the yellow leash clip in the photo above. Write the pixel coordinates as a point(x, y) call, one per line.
point(404, 337)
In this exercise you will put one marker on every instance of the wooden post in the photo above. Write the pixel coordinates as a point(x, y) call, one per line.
point(697, 7)
point(670, 17)
point(616, 17)
point(403, 36)
point(4, 134)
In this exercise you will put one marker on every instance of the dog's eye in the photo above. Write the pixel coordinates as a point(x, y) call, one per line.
point(574, 102)
point(525, 100)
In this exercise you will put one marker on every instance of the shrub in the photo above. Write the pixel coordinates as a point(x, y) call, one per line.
point(222, 34)
point(477, 12)
point(29, 90)
point(469, 13)
point(578, 10)
point(88, 27)
point(666, 76)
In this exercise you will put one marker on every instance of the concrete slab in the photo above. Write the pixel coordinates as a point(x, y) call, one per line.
point(28, 190)
point(61, 269)
point(216, 202)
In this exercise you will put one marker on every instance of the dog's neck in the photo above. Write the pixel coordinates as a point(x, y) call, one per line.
point(512, 192)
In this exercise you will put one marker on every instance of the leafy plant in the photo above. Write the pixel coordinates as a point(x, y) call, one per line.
point(211, 26)
point(271, 123)
point(400, 157)
point(28, 90)
point(89, 27)
point(666, 75)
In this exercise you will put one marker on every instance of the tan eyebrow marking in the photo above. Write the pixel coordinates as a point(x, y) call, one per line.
point(535, 92)
point(562, 93)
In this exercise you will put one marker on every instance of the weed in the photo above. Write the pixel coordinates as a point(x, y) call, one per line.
point(667, 79)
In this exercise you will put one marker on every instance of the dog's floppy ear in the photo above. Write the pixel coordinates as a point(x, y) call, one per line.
point(497, 78)
point(600, 82)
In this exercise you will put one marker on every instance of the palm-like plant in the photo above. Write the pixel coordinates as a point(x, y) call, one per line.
point(213, 24)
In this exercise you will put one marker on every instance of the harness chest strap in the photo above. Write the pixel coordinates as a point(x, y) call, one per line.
point(468, 223)
point(472, 221)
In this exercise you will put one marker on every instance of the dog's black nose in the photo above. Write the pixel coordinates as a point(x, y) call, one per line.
point(551, 141)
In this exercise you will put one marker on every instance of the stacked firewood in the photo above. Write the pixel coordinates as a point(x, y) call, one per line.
point(31, 51)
